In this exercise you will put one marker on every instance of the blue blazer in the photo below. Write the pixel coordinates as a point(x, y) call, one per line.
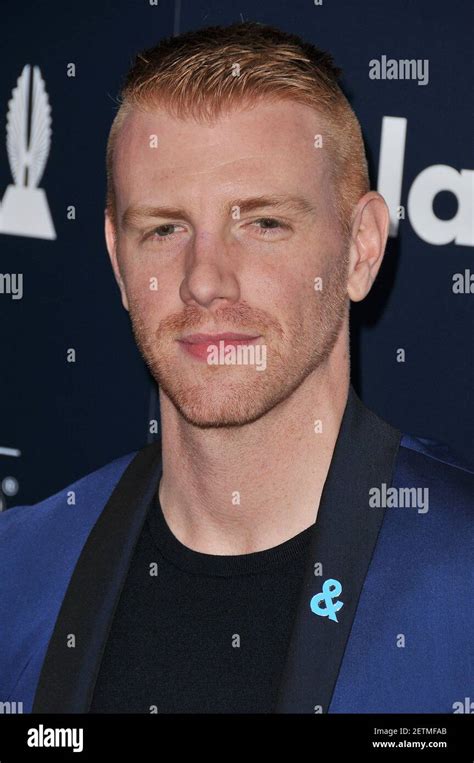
point(401, 560)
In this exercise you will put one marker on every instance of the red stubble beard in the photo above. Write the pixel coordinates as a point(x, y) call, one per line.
point(210, 396)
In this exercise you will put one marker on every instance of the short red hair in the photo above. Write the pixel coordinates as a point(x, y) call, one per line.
point(191, 77)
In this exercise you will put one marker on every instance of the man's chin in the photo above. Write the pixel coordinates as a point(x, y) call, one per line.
point(226, 420)
point(234, 407)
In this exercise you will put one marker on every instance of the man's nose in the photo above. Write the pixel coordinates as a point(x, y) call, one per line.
point(209, 272)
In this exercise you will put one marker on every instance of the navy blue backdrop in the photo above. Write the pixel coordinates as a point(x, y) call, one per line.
point(60, 420)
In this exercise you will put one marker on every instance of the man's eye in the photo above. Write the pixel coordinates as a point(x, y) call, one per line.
point(163, 231)
point(269, 224)
point(265, 227)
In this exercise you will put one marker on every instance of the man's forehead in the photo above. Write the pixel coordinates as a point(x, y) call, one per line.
point(266, 121)
point(241, 146)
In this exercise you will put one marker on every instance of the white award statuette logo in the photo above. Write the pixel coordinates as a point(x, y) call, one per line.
point(24, 210)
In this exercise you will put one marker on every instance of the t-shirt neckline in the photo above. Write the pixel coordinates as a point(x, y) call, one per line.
point(223, 565)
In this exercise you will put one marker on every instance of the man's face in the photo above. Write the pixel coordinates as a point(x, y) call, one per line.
point(219, 266)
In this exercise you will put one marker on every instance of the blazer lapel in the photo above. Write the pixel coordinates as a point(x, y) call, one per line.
point(345, 535)
point(75, 650)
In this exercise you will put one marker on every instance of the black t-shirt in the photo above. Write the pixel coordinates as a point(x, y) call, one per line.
point(199, 633)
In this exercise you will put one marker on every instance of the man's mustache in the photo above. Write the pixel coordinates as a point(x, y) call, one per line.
point(242, 317)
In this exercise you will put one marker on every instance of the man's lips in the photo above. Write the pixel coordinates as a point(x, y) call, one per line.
point(197, 344)
point(214, 338)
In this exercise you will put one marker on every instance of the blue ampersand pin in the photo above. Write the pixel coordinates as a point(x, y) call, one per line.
point(331, 590)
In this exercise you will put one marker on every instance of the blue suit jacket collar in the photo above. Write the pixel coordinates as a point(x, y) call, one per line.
point(342, 544)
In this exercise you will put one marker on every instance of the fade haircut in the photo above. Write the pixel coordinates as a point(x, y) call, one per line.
point(191, 76)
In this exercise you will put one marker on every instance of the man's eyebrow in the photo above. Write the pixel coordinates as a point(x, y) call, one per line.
point(136, 214)
point(295, 203)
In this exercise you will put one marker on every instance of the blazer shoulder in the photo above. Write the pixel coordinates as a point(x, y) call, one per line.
point(448, 478)
point(436, 454)
point(91, 490)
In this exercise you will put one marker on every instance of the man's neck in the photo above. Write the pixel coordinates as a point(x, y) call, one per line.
point(243, 489)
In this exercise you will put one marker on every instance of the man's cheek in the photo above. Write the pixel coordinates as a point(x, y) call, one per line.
point(144, 292)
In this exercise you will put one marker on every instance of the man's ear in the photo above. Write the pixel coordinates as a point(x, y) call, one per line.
point(111, 241)
point(368, 239)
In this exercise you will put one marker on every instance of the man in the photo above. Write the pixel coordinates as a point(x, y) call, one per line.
point(281, 549)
